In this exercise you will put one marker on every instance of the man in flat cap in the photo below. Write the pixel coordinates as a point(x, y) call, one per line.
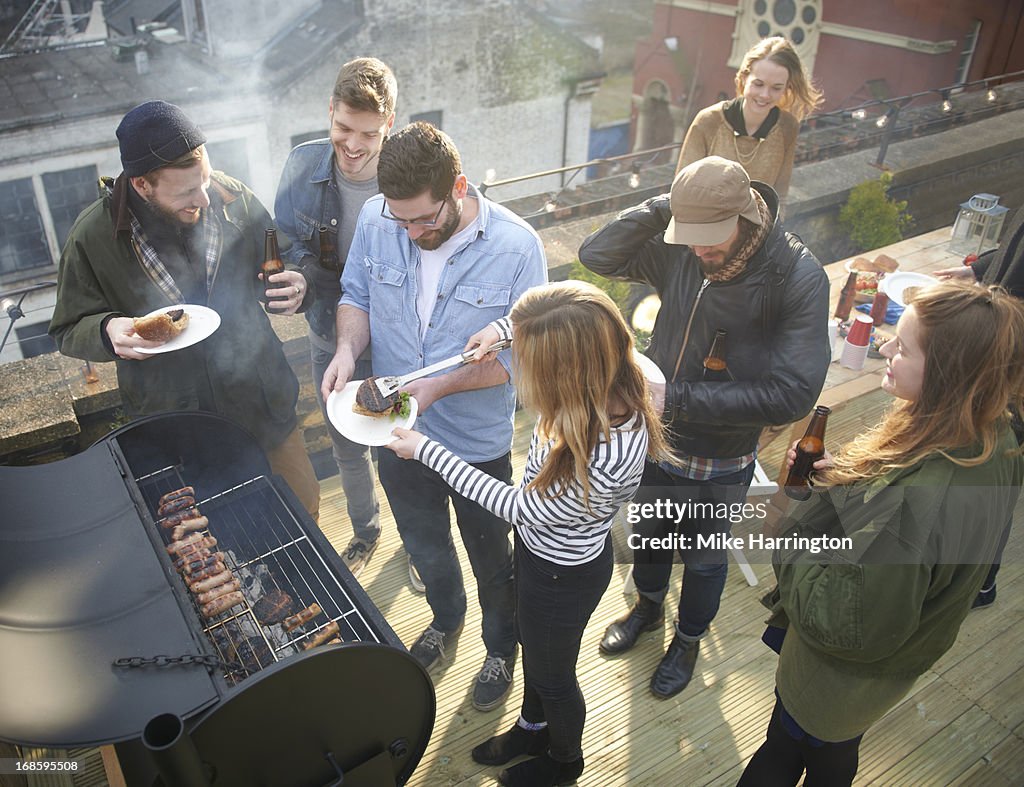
point(719, 259)
point(171, 231)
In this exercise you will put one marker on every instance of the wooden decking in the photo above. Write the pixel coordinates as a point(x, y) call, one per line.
point(963, 723)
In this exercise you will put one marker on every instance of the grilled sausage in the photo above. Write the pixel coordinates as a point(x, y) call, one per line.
point(324, 634)
point(206, 572)
point(299, 618)
point(189, 526)
point(185, 490)
point(222, 604)
point(194, 547)
point(177, 504)
point(175, 519)
point(192, 568)
point(209, 583)
point(228, 587)
point(175, 547)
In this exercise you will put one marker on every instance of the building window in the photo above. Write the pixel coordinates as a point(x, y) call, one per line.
point(34, 340)
point(68, 193)
point(967, 55)
point(433, 118)
point(231, 157)
point(797, 20)
point(22, 240)
point(298, 139)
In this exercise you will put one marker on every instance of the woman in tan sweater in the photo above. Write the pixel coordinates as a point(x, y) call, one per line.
point(758, 128)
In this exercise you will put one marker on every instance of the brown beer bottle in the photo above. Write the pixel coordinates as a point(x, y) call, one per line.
point(715, 367)
point(846, 298)
point(271, 264)
point(328, 259)
point(808, 451)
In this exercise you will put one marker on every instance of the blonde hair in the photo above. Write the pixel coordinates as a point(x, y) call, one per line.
point(801, 97)
point(574, 360)
point(972, 338)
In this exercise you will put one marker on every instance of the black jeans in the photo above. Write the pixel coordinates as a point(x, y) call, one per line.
point(554, 604)
point(782, 759)
point(419, 500)
point(704, 571)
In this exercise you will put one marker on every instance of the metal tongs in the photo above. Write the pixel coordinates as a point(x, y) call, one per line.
point(388, 385)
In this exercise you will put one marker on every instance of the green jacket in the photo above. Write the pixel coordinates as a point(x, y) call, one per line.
point(242, 363)
point(884, 611)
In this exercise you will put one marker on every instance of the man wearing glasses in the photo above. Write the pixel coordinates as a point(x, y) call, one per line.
point(432, 262)
point(324, 184)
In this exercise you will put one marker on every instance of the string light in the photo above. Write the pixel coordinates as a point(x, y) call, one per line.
point(634, 175)
point(859, 114)
point(947, 105)
point(882, 122)
point(991, 95)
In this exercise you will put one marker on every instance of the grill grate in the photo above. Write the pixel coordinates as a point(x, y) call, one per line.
point(266, 549)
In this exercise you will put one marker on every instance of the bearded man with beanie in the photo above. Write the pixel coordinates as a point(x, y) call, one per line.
point(719, 259)
point(169, 231)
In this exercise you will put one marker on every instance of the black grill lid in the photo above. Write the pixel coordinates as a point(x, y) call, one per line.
point(81, 586)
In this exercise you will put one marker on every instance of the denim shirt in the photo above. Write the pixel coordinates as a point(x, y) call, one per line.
point(479, 284)
point(306, 200)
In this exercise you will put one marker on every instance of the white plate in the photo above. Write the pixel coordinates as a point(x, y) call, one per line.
point(363, 429)
point(650, 369)
point(894, 284)
point(202, 322)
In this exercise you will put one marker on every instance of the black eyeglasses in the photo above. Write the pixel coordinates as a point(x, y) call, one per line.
point(412, 222)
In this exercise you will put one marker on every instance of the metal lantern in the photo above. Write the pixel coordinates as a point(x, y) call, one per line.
point(978, 225)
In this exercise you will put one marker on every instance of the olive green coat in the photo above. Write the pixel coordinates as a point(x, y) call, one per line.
point(243, 362)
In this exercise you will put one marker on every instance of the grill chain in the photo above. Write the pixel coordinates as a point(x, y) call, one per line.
point(188, 659)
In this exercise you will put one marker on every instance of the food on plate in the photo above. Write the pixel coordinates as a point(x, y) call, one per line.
point(273, 607)
point(222, 604)
point(867, 284)
point(371, 402)
point(189, 526)
point(161, 327)
point(327, 632)
point(177, 504)
point(301, 618)
point(885, 264)
point(221, 590)
point(185, 490)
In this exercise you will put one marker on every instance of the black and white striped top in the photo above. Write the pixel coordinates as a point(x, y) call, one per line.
point(560, 529)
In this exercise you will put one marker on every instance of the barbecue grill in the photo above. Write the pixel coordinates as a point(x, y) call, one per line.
point(101, 640)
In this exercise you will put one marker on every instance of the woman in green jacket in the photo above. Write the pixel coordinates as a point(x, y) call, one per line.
point(920, 500)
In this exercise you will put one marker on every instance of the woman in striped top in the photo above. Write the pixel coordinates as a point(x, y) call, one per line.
point(574, 367)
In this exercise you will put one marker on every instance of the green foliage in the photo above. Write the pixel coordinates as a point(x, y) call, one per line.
point(871, 218)
point(618, 291)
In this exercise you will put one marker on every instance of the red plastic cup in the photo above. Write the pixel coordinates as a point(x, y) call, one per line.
point(860, 331)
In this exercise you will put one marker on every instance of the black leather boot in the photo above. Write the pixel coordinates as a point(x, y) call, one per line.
point(676, 668)
point(621, 635)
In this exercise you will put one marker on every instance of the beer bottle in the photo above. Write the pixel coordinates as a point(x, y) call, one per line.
point(271, 264)
point(879, 307)
point(808, 451)
point(328, 259)
point(846, 297)
point(715, 367)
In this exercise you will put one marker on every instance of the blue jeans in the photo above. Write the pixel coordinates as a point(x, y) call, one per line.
point(553, 605)
point(354, 464)
point(704, 572)
point(419, 500)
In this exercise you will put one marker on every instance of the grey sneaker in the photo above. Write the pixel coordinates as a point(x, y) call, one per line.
point(493, 682)
point(357, 554)
point(435, 649)
point(414, 579)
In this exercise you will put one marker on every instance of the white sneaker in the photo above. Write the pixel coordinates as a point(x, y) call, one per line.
point(414, 579)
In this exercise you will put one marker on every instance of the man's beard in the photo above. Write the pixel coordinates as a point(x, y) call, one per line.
point(716, 265)
point(436, 237)
point(171, 217)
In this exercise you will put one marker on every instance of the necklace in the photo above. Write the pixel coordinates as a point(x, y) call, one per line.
point(745, 159)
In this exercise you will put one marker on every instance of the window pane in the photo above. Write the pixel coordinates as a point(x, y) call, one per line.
point(34, 340)
point(433, 118)
point(69, 192)
point(22, 241)
point(298, 139)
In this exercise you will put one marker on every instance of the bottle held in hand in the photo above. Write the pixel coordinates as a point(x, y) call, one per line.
point(809, 450)
point(271, 264)
point(715, 367)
